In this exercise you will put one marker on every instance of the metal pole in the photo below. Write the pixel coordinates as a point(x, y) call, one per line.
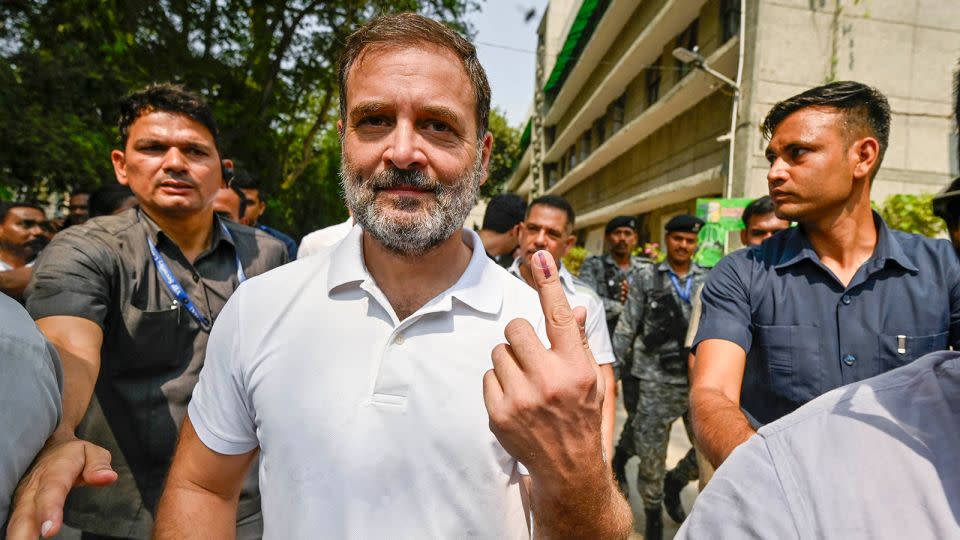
point(728, 189)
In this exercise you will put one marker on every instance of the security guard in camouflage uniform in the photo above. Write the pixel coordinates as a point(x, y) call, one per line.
point(609, 275)
point(652, 328)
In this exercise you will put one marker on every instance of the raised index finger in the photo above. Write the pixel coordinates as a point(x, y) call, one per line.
point(561, 326)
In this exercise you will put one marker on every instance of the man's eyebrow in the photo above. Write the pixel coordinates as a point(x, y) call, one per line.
point(368, 108)
point(150, 141)
point(445, 114)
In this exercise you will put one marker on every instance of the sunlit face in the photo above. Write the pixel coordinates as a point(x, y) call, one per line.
point(811, 170)
point(546, 228)
point(78, 208)
point(761, 227)
point(227, 203)
point(622, 240)
point(680, 246)
point(254, 209)
point(412, 163)
point(171, 164)
point(22, 232)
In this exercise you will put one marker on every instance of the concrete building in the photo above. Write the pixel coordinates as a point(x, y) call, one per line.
point(620, 126)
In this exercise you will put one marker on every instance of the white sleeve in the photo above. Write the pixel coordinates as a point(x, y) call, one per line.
point(598, 336)
point(220, 410)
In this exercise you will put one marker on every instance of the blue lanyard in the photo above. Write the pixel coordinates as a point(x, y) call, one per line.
point(685, 293)
point(173, 284)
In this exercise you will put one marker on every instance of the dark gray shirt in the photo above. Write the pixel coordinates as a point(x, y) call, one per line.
point(877, 459)
point(30, 386)
point(152, 349)
point(805, 333)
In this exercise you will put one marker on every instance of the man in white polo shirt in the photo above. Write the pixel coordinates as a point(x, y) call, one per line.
point(548, 225)
point(364, 378)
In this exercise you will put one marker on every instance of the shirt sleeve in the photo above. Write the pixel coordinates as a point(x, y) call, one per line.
point(744, 499)
point(72, 277)
point(30, 396)
point(726, 304)
point(953, 277)
point(626, 330)
point(598, 336)
point(696, 308)
point(220, 409)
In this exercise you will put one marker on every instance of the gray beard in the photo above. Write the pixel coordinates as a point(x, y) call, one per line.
point(420, 228)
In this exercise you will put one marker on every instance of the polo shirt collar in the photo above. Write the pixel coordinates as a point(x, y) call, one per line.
point(478, 287)
point(566, 278)
point(798, 248)
point(155, 232)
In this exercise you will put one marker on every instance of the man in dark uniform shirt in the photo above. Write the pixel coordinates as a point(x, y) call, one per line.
point(128, 301)
point(837, 299)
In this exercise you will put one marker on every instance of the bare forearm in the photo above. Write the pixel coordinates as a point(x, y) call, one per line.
point(585, 510)
point(718, 423)
point(187, 511)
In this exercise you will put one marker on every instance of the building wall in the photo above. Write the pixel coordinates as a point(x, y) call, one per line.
point(684, 147)
point(908, 49)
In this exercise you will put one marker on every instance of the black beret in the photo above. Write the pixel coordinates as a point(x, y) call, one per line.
point(946, 204)
point(684, 223)
point(621, 221)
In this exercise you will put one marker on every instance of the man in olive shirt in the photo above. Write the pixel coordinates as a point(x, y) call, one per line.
point(128, 300)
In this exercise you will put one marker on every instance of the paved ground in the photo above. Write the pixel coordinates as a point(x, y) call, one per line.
point(679, 444)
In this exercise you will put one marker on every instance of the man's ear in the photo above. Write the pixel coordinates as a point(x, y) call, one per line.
point(340, 127)
point(485, 151)
point(568, 245)
point(865, 153)
point(119, 160)
point(226, 172)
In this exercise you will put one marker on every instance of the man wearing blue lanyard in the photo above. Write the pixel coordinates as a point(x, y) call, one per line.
point(651, 330)
point(128, 300)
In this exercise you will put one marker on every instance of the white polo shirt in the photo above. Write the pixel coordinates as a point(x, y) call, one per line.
point(580, 294)
point(323, 239)
point(368, 427)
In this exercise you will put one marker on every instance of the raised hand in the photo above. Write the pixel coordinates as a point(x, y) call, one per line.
point(545, 404)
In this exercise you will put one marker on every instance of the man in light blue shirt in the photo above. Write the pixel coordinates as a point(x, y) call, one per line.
point(875, 459)
point(30, 388)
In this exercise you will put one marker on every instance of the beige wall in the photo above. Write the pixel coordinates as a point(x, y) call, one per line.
point(908, 49)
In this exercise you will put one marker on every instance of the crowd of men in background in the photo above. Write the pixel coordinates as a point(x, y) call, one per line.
point(128, 383)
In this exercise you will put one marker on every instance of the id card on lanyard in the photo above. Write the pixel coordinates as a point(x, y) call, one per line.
point(683, 293)
point(176, 289)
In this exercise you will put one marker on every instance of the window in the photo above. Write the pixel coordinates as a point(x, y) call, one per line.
point(571, 158)
point(551, 171)
point(600, 128)
point(549, 135)
point(688, 40)
point(618, 111)
point(729, 19)
point(586, 145)
point(653, 82)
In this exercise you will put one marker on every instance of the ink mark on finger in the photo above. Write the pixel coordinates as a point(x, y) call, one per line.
point(543, 264)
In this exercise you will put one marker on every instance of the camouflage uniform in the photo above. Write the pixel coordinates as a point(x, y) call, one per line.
point(663, 393)
point(604, 275)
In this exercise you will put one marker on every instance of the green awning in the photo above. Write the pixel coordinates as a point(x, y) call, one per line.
point(580, 32)
point(525, 137)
